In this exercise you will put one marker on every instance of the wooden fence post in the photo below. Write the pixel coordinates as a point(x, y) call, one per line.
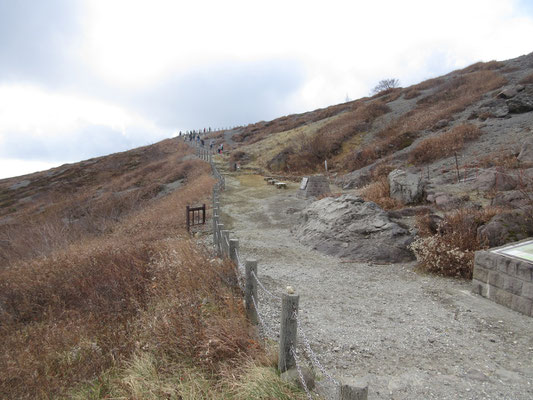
point(287, 334)
point(188, 222)
point(225, 240)
point(349, 392)
point(203, 211)
point(215, 223)
point(220, 239)
point(233, 249)
point(250, 290)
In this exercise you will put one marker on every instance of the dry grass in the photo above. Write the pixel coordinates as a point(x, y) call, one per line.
point(449, 250)
point(255, 132)
point(449, 98)
point(379, 192)
point(82, 314)
point(483, 66)
point(428, 84)
point(328, 140)
point(503, 158)
point(411, 94)
point(444, 144)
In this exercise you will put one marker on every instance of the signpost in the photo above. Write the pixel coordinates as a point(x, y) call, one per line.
point(523, 251)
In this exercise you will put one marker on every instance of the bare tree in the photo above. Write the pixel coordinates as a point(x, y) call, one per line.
point(386, 84)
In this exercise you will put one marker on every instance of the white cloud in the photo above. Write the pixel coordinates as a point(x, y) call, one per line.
point(29, 109)
point(140, 66)
point(15, 167)
point(345, 45)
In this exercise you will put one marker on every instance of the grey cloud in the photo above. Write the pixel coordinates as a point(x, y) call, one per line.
point(86, 142)
point(222, 95)
point(36, 39)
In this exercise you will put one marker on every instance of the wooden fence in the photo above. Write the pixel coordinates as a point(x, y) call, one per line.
point(193, 216)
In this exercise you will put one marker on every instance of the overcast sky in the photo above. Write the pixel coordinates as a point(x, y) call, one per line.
point(80, 79)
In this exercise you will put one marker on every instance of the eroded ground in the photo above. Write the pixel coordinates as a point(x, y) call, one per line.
point(409, 335)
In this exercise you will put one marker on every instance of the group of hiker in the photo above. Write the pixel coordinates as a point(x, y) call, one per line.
point(196, 137)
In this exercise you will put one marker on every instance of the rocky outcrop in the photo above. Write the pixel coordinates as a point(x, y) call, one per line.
point(492, 179)
point(526, 152)
point(406, 187)
point(496, 108)
point(522, 102)
point(352, 228)
point(506, 227)
point(512, 198)
point(279, 161)
point(356, 179)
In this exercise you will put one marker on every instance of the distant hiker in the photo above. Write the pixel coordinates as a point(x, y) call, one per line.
point(211, 143)
point(202, 142)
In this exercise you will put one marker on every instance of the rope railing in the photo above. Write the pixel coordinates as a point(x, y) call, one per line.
point(312, 356)
point(266, 329)
point(300, 374)
point(264, 288)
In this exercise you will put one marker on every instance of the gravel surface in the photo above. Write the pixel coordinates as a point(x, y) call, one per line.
point(408, 335)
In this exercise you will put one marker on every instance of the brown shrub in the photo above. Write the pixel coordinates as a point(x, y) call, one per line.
point(411, 94)
point(78, 306)
point(379, 192)
point(451, 97)
point(428, 84)
point(197, 311)
point(255, 132)
point(450, 251)
point(382, 170)
point(528, 80)
point(329, 139)
point(502, 158)
point(482, 66)
point(239, 156)
point(444, 144)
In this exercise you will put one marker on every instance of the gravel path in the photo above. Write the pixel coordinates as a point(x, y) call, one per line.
point(408, 335)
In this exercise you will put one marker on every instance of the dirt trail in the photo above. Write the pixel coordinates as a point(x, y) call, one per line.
point(410, 336)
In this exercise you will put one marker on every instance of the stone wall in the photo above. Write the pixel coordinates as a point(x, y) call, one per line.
point(504, 280)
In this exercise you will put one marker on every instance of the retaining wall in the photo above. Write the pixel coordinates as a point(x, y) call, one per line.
point(505, 280)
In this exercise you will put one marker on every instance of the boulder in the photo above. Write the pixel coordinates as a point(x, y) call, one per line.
point(491, 179)
point(506, 227)
point(279, 161)
point(526, 152)
point(512, 198)
point(445, 200)
point(406, 187)
point(498, 108)
point(349, 227)
point(356, 179)
point(507, 93)
point(292, 376)
point(521, 103)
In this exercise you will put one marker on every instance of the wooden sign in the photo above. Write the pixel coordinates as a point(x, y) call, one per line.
point(303, 184)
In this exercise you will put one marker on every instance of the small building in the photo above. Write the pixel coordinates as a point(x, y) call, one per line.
point(314, 186)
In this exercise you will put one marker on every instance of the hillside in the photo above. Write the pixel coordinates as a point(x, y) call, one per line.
point(464, 140)
point(104, 295)
point(495, 97)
